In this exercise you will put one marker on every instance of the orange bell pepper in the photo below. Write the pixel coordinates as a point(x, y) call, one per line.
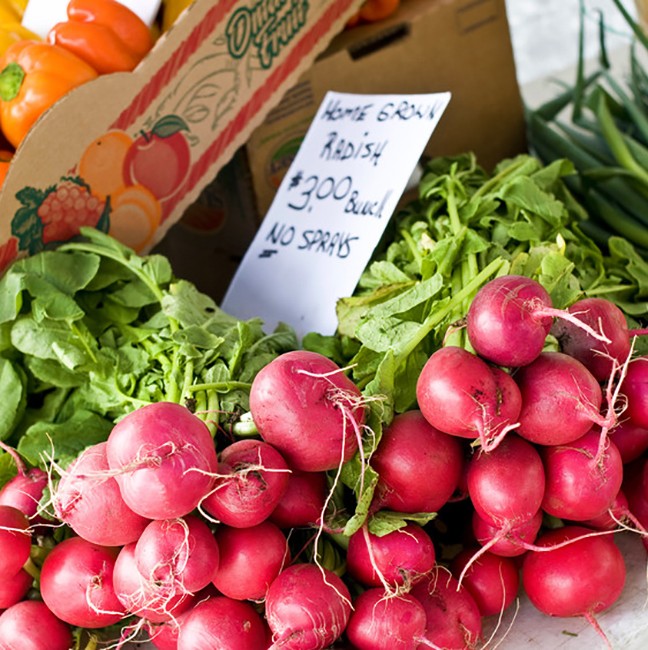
point(372, 11)
point(104, 33)
point(33, 76)
point(5, 161)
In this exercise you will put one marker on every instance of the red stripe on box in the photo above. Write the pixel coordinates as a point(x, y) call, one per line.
point(162, 77)
point(258, 99)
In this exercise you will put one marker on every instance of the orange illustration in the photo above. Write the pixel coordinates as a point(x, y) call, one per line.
point(134, 216)
point(101, 165)
point(5, 160)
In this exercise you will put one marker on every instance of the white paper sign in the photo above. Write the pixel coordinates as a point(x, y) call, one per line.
point(332, 208)
point(41, 15)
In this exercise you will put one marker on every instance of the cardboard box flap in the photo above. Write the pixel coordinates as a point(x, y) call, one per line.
point(188, 106)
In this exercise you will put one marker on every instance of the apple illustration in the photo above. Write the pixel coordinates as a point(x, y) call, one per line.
point(159, 159)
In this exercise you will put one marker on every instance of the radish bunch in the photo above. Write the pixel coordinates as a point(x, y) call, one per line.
point(268, 541)
point(546, 447)
point(168, 538)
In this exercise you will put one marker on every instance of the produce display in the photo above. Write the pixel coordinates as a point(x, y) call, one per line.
point(476, 429)
point(167, 467)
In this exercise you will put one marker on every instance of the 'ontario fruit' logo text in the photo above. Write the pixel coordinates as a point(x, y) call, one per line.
point(268, 25)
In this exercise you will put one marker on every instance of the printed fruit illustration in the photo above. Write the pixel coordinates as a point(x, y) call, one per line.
point(102, 163)
point(56, 213)
point(135, 215)
point(66, 208)
point(159, 159)
point(8, 253)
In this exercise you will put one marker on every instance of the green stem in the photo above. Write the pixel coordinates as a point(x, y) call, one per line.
point(172, 390)
point(84, 341)
point(137, 403)
point(222, 386)
point(32, 569)
point(468, 267)
point(413, 248)
point(245, 427)
point(92, 643)
point(439, 315)
point(616, 143)
point(188, 376)
point(497, 179)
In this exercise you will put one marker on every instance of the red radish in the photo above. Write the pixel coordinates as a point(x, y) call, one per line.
point(462, 395)
point(452, 615)
point(14, 588)
point(599, 357)
point(506, 539)
point(303, 502)
point(398, 558)
point(492, 580)
point(635, 389)
point(24, 491)
point(155, 601)
point(76, 583)
point(506, 485)
point(163, 458)
point(88, 500)
point(578, 486)
point(307, 608)
point(15, 541)
point(304, 405)
point(250, 559)
point(252, 478)
point(419, 467)
point(630, 439)
point(561, 399)
point(181, 551)
point(634, 488)
point(164, 636)
point(30, 625)
point(509, 319)
point(221, 622)
point(618, 514)
point(580, 578)
point(383, 622)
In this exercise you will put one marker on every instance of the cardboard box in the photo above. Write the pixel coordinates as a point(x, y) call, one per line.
point(206, 84)
point(463, 46)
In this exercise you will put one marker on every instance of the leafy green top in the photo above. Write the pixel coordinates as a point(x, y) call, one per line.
point(91, 331)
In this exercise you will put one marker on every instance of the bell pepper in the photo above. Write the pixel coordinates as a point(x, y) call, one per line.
point(104, 33)
point(33, 76)
point(11, 11)
point(12, 32)
point(372, 11)
point(5, 161)
point(171, 10)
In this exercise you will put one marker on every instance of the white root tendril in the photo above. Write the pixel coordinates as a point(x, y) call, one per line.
point(572, 318)
point(348, 402)
point(616, 404)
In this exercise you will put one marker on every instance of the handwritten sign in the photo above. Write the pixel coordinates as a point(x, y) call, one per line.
point(332, 208)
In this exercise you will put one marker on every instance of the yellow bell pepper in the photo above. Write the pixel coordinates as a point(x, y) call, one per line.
point(11, 11)
point(171, 10)
point(11, 32)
